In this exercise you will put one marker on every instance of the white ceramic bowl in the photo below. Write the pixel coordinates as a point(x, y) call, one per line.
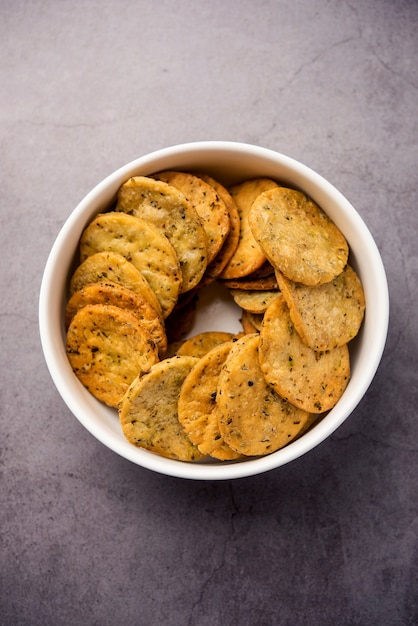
point(230, 163)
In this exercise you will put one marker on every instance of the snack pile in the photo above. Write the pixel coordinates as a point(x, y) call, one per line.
point(132, 302)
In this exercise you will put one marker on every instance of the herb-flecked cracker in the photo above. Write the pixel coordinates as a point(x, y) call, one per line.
point(328, 315)
point(311, 380)
point(297, 236)
point(142, 244)
point(251, 322)
point(253, 301)
point(264, 283)
point(107, 348)
point(254, 420)
point(248, 255)
point(206, 202)
point(202, 343)
point(149, 410)
point(107, 292)
point(197, 404)
point(216, 267)
point(112, 266)
point(166, 207)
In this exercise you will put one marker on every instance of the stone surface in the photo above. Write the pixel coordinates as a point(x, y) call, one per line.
point(89, 538)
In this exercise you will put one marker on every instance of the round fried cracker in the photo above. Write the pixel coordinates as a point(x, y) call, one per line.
point(107, 348)
point(202, 343)
point(248, 255)
point(206, 202)
point(253, 419)
point(297, 237)
point(253, 301)
point(141, 243)
point(264, 283)
point(310, 380)
point(112, 266)
point(117, 295)
point(197, 407)
point(216, 267)
point(251, 322)
point(165, 206)
point(328, 315)
point(149, 410)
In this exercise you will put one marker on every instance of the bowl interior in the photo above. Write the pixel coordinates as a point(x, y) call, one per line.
point(229, 163)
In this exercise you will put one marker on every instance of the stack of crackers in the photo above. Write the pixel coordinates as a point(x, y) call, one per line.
point(132, 302)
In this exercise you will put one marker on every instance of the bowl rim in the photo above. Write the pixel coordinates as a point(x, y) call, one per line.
point(59, 368)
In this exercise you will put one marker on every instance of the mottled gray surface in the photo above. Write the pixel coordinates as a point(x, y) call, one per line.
point(88, 538)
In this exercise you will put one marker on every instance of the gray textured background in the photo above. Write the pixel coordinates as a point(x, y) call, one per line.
point(89, 538)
